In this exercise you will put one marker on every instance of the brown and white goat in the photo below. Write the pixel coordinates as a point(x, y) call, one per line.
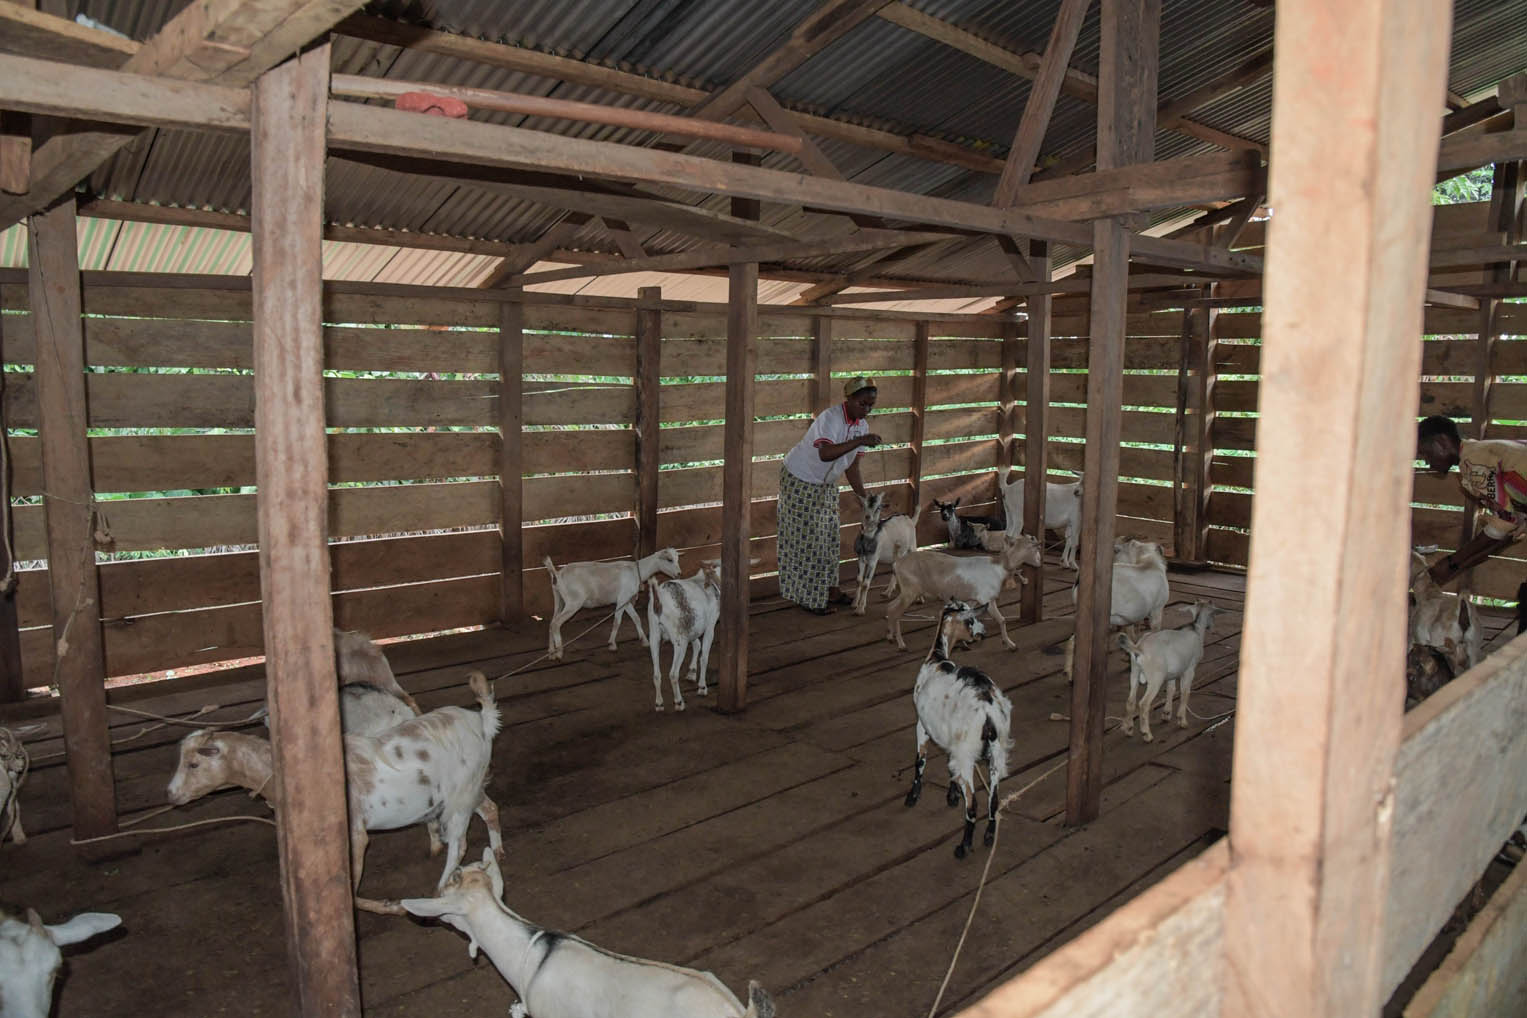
point(974, 579)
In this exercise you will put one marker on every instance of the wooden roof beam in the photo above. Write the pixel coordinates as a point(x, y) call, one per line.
point(227, 44)
point(1040, 106)
point(33, 33)
point(1071, 284)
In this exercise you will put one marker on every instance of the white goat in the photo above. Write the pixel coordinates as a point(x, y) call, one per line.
point(1445, 636)
point(1167, 657)
point(433, 767)
point(962, 711)
point(881, 540)
point(684, 612)
point(974, 579)
point(357, 658)
point(596, 584)
point(557, 975)
point(1140, 589)
point(13, 771)
point(1063, 512)
point(30, 959)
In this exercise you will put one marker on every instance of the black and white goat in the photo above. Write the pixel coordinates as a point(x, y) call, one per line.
point(961, 534)
point(30, 959)
point(557, 975)
point(880, 540)
point(1167, 657)
point(960, 709)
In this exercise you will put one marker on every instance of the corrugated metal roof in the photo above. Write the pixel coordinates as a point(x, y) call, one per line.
point(878, 74)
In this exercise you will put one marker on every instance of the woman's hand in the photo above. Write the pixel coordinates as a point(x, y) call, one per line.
point(870, 440)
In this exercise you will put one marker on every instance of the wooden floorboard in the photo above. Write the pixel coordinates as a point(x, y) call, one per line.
point(771, 844)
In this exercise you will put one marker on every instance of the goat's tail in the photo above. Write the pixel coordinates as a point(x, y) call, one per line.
point(484, 693)
point(551, 570)
point(760, 1004)
point(654, 603)
point(1130, 646)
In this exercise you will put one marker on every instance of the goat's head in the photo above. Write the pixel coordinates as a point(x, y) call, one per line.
point(960, 623)
point(203, 767)
point(873, 504)
point(1203, 615)
point(666, 562)
point(945, 509)
point(30, 958)
point(467, 887)
point(1019, 549)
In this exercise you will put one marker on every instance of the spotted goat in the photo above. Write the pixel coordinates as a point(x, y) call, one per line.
point(961, 710)
point(431, 768)
point(30, 959)
point(684, 613)
point(557, 975)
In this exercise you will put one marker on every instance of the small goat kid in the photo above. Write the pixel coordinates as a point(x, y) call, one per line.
point(961, 710)
point(30, 958)
point(13, 771)
point(974, 579)
point(579, 585)
point(1063, 512)
point(1445, 636)
point(1140, 589)
point(881, 540)
point(557, 975)
point(1167, 657)
point(961, 529)
point(431, 768)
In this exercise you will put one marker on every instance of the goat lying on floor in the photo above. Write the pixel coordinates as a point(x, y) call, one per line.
point(881, 540)
point(557, 975)
point(1169, 656)
point(433, 767)
point(963, 712)
point(30, 959)
point(962, 535)
point(580, 585)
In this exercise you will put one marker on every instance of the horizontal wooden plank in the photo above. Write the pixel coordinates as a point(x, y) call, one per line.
point(964, 354)
point(960, 423)
point(943, 390)
point(959, 457)
point(1437, 321)
point(1458, 795)
point(683, 357)
point(867, 356)
point(553, 403)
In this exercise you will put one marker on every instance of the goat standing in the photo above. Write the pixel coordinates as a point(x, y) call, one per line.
point(1170, 656)
point(974, 579)
point(880, 540)
point(557, 975)
point(580, 585)
point(961, 710)
point(1063, 512)
point(1140, 589)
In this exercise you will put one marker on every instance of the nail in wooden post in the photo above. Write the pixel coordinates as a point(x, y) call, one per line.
point(291, 469)
point(1036, 430)
point(649, 353)
point(511, 462)
point(80, 665)
point(1318, 709)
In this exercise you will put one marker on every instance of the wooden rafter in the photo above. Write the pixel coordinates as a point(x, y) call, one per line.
point(528, 254)
point(1070, 284)
point(227, 44)
point(1041, 102)
point(812, 157)
point(38, 34)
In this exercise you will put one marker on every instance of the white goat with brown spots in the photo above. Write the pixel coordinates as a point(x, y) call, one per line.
point(684, 612)
point(431, 768)
point(30, 959)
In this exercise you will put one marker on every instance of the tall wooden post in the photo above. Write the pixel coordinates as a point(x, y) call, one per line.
point(737, 471)
point(1319, 709)
point(649, 390)
point(1126, 127)
point(1036, 431)
point(80, 666)
point(821, 364)
point(919, 412)
point(511, 462)
point(291, 469)
point(12, 681)
point(1194, 453)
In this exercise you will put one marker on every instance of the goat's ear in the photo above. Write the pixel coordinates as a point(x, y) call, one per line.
point(427, 908)
point(83, 927)
point(495, 876)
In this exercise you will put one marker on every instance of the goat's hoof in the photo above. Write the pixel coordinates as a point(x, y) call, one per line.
point(1182, 722)
point(658, 708)
point(989, 837)
point(703, 691)
point(1147, 737)
point(953, 795)
point(609, 646)
point(679, 706)
point(960, 850)
point(913, 796)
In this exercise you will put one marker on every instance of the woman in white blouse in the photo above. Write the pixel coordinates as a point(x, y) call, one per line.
point(808, 497)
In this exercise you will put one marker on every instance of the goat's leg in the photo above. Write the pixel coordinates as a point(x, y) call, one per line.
point(454, 827)
point(657, 673)
point(620, 611)
point(967, 788)
point(705, 645)
point(919, 765)
point(893, 620)
point(636, 620)
point(862, 589)
point(358, 840)
point(488, 810)
point(1187, 686)
point(890, 584)
point(567, 611)
point(991, 808)
point(1130, 704)
point(991, 609)
point(1169, 687)
point(432, 828)
point(679, 650)
point(11, 821)
point(1153, 683)
point(1070, 656)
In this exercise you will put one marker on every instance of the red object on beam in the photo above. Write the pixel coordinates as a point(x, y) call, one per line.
point(433, 105)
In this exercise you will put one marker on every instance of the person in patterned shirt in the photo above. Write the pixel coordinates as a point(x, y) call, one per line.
point(1492, 473)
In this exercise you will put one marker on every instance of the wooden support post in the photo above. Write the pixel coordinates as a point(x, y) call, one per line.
point(919, 412)
point(291, 469)
point(821, 364)
point(1319, 711)
point(511, 463)
point(15, 152)
point(1036, 430)
point(80, 666)
point(1007, 402)
point(1194, 452)
point(1126, 123)
point(737, 469)
point(649, 394)
point(12, 682)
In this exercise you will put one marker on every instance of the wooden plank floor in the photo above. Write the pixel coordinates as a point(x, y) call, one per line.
point(771, 845)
